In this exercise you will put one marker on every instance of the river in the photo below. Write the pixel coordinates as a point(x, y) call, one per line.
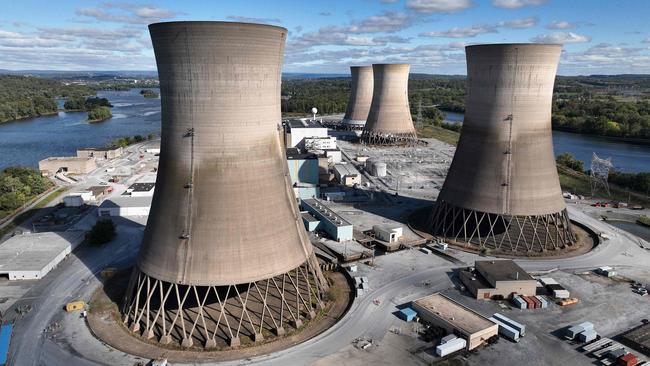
point(626, 157)
point(25, 142)
point(642, 232)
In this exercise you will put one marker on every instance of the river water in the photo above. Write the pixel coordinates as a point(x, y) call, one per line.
point(642, 232)
point(626, 157)
point(27, 141)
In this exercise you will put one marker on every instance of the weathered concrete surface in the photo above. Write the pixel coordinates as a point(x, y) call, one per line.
point(358, 107)
point(504, 163)
point(238, 222)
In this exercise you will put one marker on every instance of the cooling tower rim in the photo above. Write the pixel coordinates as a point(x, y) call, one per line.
point(153, 26)
point(391, 65)
point(510, 45)
point(361, 67)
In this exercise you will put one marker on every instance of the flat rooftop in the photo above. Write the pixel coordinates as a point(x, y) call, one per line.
point(454, 313)
point(34, 251)
point(503, 270)
point(141, 187)
point(67, 158)
point(308, 217)
point(326, 212)
point(638, 338)
point(304, 123)
point(346, 169)
point(127, 201)
point(99, 148)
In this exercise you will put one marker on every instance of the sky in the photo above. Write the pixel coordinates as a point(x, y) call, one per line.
point(327, 36)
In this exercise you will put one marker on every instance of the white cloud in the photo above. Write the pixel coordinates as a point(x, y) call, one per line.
point(647, 40)
point(561, 25)
point(520, 23)
point(127, 13)
point(561, 37)
point(457, 32)
point(239, 18)
point(516, 4)
point(438, 6)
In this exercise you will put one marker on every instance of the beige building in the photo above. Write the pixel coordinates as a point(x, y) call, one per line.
point(100, 153)
point(69, 164)
point(443, 312)
point(498, 278)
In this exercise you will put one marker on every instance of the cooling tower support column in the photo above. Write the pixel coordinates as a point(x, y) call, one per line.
point(502, 191)
point(358, 107)
point(225, 254)
point(389, 120)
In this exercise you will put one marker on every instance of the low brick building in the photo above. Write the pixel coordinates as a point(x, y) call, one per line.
point(497, 278)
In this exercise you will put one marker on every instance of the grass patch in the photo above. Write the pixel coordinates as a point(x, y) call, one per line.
point(578, 183)
point(644, 220)
point(439, 133)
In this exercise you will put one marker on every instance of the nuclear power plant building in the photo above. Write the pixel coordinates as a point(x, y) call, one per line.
point(502, 191)
point(389, 119)
point(358, 107)
point(225, 253)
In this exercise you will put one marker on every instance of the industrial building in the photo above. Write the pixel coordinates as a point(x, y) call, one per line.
point(100, 153)
point(70, 165)
point(320, 143)
point(502, 191)
point(347, 174)
point(441, 311)
point(389, 119)
point(389, 234)
point(330, 222)
point(360, 99)
point(304, 170)
point(125, 206)
point(224, 225)
point(297, 130)
point(497, 278)
point(31, 256)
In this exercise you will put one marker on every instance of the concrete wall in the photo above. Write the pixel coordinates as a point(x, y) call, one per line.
point(504, 162)
point(100, 154)
point(297, 135)
point(239, 222)
point(303, 170)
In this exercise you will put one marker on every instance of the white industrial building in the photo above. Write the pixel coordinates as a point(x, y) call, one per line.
point(125, 206)
point(31, 256)
point(140, 190)
point(347, 174)
point(388, 234)
point(299, 129)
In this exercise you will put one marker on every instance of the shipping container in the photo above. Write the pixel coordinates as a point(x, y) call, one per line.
point(5, 339)
point(505, 330)
point(519, 302)
point(75, 305)
point(450, 347)
point(518, 326)
point(536, 302)
point(586, 325)
point(628, 360)
point(587, 336)
point(447, 338)
point(529, 303)
point(543, 300)
point(573, 331)
point(617, 353)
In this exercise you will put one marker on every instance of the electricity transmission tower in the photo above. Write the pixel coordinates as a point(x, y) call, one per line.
point(599, 173)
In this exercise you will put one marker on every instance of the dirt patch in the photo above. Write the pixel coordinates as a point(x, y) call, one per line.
point(417, 221)
point(104, 320)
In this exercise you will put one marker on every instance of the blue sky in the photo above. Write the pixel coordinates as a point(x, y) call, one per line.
point(599, 36)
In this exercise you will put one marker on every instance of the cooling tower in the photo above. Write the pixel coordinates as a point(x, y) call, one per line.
point(502, 191)
point(225, 253)
point(360, 98)
point(389, 120)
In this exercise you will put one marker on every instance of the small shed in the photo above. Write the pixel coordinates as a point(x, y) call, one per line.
point(407, 314)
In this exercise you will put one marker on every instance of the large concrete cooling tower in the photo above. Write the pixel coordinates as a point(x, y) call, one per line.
point(225, 253)
point(502, 191)
point(360, 97)
point(389, 120)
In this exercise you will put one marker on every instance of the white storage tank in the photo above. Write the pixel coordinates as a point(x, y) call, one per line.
point(379, 169)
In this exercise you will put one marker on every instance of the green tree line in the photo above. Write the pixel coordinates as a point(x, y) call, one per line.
point(18, 185)
point(26, 96)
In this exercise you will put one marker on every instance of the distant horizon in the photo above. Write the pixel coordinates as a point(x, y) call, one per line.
point(53, 71)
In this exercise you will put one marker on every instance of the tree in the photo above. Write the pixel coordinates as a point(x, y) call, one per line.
point(99, 114)
point(567, 160)
point(102, 232)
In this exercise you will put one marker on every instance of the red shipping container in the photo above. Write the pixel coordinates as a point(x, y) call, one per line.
point(529, 302)
point(628, 360)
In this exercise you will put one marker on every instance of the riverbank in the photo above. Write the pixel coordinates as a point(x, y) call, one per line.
point(627, 140)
